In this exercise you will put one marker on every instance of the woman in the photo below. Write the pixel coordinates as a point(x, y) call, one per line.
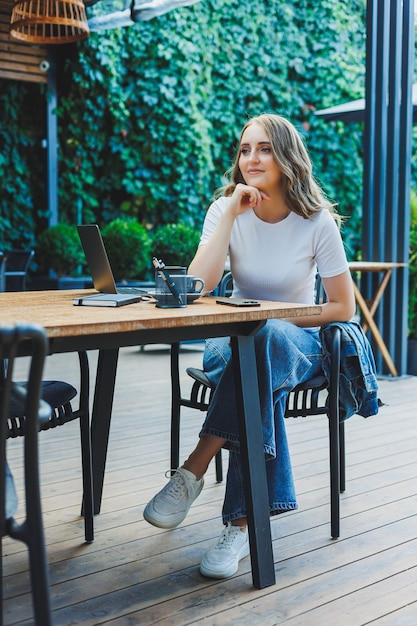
point(278, 230)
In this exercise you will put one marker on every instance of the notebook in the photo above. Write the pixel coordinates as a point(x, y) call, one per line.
point(99, 265)
point(107, 299)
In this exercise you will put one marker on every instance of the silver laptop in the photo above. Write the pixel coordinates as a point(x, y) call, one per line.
point(98, 262)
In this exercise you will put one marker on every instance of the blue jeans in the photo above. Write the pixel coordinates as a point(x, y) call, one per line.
point(286, 355)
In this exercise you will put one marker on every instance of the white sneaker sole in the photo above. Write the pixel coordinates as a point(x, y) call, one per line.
point(211, 572)
point(148, 515)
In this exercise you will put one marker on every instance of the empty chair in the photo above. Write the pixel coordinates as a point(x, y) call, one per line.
point(17, 265)
point(59, 394)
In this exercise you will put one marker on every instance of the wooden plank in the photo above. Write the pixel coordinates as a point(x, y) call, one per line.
point(11, 51)
point(29, 76)
point(24, 68)
point(18, 60)
point(401, 617)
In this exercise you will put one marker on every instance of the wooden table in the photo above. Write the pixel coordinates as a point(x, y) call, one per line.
point(368, 308)
point(72, 328)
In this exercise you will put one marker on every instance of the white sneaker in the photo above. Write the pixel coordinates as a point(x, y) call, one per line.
point(170, 506)
point(222, 560)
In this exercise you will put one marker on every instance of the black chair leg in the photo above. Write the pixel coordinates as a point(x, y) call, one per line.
point(334, 430)
point(175, 406)
point(88, 501)
point(86, 456)
point(40, 583)
point(342, 457)
point(219, 467)
point(334, 483)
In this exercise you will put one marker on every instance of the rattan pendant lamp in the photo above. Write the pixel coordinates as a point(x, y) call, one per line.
point(49, 21)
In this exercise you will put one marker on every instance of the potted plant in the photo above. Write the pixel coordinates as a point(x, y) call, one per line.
point(59, 256)
point(128, 246)
point(176, 244)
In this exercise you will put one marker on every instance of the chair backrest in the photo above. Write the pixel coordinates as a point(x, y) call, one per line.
point(17, 265)
point(2, 271)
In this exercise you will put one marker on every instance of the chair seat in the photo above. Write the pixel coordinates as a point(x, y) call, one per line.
point(199, 376)
point(54, 392)
point(57, 394)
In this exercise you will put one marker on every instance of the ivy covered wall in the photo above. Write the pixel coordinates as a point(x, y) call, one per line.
point(149, 115)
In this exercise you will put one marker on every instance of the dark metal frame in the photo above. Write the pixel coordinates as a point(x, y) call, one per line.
point(34, 342)
point(52, 139)
point(387, 163)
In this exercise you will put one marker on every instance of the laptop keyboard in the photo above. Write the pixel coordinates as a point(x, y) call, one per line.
point(134, 290)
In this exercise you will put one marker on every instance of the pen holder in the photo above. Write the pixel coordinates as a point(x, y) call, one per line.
point(174, 297)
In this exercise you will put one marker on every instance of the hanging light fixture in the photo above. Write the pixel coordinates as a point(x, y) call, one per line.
point(49, 21)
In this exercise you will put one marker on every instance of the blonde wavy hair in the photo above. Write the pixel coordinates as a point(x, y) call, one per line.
point(303, 195)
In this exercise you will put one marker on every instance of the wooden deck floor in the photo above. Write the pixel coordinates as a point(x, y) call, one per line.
point(134, 574)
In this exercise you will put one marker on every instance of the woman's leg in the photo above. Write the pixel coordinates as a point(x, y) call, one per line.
point(286, 355)
point(205, 450)
point(281, 491)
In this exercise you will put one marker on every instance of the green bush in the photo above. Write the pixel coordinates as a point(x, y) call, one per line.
point(412, 296)
point(128, 245)
point(176, 244)
point(59, 249)
point(149, 115)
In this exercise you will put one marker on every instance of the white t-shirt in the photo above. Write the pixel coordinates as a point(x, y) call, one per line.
point(279, 261)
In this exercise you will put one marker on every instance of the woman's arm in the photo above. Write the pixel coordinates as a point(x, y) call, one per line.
point(340, 305)
point(210, 258)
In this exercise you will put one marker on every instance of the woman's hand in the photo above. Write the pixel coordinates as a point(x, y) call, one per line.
point(209, 260)
point(245, 197)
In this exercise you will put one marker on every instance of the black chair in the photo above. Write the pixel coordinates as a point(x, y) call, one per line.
point(317, 396)
point(2, 271)
point(58, 395)
point(17, 265)
point(31, 340)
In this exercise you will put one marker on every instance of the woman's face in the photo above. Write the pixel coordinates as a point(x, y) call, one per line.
point(256, 161)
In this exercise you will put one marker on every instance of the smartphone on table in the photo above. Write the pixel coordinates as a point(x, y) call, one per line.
point(238, 302)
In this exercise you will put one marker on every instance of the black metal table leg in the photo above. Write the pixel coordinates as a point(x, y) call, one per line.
point(253, 461)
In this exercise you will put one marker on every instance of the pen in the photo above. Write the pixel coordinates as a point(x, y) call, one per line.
point(160, 266)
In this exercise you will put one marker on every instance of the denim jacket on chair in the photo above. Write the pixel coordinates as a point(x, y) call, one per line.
point(358, 383)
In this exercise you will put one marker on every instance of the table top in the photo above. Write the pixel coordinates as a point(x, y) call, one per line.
point(374, 266)
point(55, 312)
